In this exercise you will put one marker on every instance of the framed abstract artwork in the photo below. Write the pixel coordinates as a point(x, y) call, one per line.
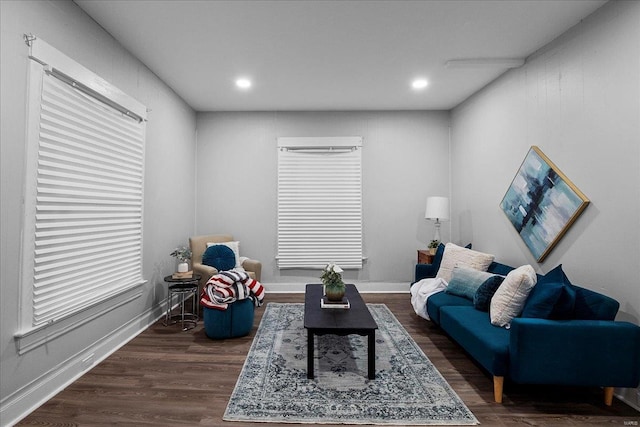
point(542, 203)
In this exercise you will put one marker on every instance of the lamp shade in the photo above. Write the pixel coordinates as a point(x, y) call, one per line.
point(437, 208)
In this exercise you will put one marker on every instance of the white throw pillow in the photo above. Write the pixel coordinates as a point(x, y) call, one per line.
point(509, 299)
point(235, 247)
point(455, 255)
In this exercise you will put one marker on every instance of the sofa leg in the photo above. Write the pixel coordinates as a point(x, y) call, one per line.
point(608, 396)
point(498, 384)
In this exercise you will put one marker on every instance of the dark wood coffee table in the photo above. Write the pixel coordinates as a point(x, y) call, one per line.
point(355, 320)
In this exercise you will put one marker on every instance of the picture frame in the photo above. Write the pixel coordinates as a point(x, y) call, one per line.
point(542, 203)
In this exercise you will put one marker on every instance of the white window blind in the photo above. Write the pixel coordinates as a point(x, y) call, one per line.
point(85, 239)
point(319, 202)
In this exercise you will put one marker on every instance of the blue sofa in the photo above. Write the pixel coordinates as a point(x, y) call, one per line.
point(586, 348)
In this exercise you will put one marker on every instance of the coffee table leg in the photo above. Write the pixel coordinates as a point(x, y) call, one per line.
point(372, 355)
point(309, 354)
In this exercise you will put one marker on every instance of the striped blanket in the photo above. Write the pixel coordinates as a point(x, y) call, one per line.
point(227, 287)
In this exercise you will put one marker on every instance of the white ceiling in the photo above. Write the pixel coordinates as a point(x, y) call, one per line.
point(330, 55)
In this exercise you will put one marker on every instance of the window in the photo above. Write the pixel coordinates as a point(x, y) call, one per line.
point(319, 202)
point(84, 190)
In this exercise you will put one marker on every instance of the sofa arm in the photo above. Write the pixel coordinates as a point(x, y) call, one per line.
point(425, 271)
point(575, 352)
point(254, 266)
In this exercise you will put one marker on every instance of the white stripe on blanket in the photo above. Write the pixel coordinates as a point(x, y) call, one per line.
point(227, 287)
point(422, 290)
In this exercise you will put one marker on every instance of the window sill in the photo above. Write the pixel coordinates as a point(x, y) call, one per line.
point(34, 337)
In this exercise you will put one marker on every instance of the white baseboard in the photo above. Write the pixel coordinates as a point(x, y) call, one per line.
point(30, 397)
point(623, 393)
point(363, 287)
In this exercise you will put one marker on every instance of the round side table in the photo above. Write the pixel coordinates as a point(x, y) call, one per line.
point(183, 288)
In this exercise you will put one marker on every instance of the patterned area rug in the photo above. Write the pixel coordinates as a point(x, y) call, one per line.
point(273, 384)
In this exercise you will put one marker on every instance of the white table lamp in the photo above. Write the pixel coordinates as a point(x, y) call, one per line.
point(438, 210)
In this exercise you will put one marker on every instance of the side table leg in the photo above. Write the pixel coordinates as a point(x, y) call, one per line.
point(309, 354)
point(167, 316)
point(196, 304)
point(182, 312)
point(371, 353)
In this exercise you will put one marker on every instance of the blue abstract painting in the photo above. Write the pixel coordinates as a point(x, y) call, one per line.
point(542, 203)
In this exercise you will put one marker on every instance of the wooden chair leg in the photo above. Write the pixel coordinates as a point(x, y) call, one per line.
point(608, 396)
point(498, 384)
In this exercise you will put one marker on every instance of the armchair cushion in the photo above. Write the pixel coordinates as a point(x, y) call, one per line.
point(221, 257)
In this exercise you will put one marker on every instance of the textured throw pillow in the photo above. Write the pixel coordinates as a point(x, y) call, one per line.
point(466, 281)
point(437, 258)
point(510, 297)
point(482, 298)
point(553, 297)
point(235, 247)
point(455, 255)
point(221, 257)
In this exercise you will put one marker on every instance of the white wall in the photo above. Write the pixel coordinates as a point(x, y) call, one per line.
point(578, 99)
point(25, 380)
point(405, 159)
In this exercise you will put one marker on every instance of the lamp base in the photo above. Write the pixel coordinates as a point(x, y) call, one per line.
point(436, 236)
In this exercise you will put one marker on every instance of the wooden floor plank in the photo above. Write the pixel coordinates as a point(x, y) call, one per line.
point(167, 377)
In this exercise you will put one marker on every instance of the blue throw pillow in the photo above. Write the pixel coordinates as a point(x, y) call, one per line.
point(565, 307)
point(591, 305)
point(482, 298)
point(221, 257)
point(553, 297)
point(542, 300)
point(465, 281)
point(498, 268)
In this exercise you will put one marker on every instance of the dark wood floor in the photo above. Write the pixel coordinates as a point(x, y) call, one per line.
point(172, 378)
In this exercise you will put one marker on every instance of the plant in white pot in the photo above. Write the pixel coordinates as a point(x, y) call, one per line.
point(183, 255)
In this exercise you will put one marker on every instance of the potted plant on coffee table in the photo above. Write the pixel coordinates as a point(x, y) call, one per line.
point(334, 287)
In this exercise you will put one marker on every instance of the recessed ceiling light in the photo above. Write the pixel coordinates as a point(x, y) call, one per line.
point(243, 83)
point(419, 84)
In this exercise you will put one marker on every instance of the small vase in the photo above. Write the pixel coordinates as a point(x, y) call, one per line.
point(183, 267)
point(335, 291)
